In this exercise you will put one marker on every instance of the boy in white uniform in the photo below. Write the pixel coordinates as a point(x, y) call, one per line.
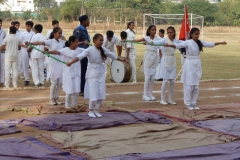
point(20, 67)
point(37, 57)
point(131, 51)
point(26, 36)
point(109, 40)
point(11, 44)
point(55, 23)
point(2, 54)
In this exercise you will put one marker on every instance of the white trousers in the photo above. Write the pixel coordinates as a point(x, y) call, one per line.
point(2, 67)
point(74, 97)
point(20, 67)
point(55, 89)
point(191, 93)
point(37, 70)
point(97, 103)
point(171, 89)
point(148, 78)
point(132, 61)
point(25, 65)
point(108, 62)
point(11, 66)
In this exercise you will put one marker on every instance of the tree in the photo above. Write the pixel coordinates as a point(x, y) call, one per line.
point(26, 15)
point(41, 4)
point(71, 10)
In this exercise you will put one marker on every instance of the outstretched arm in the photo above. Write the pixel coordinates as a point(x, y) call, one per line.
point(35, 43)
point(52, 52)
point(73, 61)
point(223, 43)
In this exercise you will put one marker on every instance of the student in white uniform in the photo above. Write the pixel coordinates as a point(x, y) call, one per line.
point(55, 23)
point(71, 75)
point(168, 66)
point(20, 67)
point(11, 44)
point(131, 50)
point(109, 41)
point(150, 62)
point(54, 67)
point(95, 87)
point(26, 36)
point(192, 71)
point(37, 57)
point(2, 54)
point(157, 76)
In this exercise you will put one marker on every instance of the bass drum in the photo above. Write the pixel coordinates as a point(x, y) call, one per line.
point(120, 72)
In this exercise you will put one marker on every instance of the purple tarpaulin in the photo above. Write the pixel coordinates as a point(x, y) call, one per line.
point(81, 121)
point(226, 151)
point(31, 148)
point(7, 128)
point(227, 126)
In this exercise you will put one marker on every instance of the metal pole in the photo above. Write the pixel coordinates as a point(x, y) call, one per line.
point(202, 26)
point(143, 24)
point(82, 9)
point(154, 22)
point(191, 20)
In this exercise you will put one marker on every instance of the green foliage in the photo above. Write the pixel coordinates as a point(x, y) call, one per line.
point(27, 15)
point(71, 10)
point(42, 4)
point(6, 15)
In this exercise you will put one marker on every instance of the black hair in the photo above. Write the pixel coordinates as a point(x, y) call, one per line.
point(161, 31)
point(123, 34)
point(0, 20)
point(103, 55)
point(54, 22)
point(149, 29)
point(172, 28)
point(55, 30)
point(70, 40)
point(29, 23)
point(129, 24)
point(38, 28)
point(16, 22)
point(109, 33)
point(12, 30)
point(199, 43)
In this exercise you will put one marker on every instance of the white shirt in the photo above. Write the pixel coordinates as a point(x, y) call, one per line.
point(38, 38)
point(25, 37)
point(110, 44)
point(2, 35)
point(18, 33)
point(95, 61)
point(130, 36)
point(11, 42)
point(49, 33)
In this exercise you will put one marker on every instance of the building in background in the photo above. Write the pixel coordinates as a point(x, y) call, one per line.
point(17, 6)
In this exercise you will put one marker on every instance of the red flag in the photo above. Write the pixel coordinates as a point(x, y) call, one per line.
point(185, 28)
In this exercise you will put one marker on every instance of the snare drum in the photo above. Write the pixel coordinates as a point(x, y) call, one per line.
point(120, 72)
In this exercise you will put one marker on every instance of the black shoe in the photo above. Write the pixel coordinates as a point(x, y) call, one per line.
point(40, 85)
point(27, 82)
point(81, 94)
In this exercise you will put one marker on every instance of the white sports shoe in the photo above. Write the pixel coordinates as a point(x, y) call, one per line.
point(52, 102)
point(67, 107)
point(134, 81)
point(172, 102)
point(152, 97)
point(163, 102)
point(195, 107)
point(189, 107)
point(97, 113)
point(58, 102)
point(91, 114)
point(146, 98)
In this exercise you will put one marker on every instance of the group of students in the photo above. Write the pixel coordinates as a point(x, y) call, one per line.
point(68, 76)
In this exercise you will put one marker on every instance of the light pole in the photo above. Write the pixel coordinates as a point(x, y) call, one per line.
point(82, 9)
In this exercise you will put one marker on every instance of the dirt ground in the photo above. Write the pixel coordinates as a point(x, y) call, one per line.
point(126, 96)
